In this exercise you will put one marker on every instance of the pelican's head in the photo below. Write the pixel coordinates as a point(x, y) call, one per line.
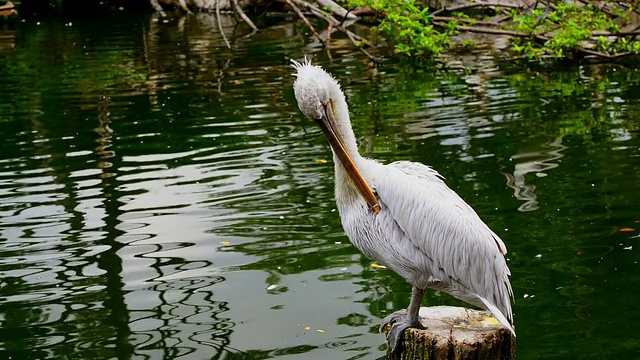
point(320, 99)
point(314, 89)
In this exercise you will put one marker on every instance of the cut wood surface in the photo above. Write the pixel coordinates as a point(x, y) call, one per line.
point(456, 333)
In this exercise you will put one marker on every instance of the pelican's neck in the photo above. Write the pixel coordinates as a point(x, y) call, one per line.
point(345, 190)
point(343, 122)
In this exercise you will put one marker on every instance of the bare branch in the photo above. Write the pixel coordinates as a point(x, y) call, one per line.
point(155, 5)
point(224, 37)
point(623, 54)
point(488, 30)
point(243, 16)
point(316, 10)
point(306, 21)
point(466, 21)
point(183, 6)
point(622, 33)
point(475, 5)
point(336, 9)
point(331, 20)
point(593, 52)
point(364, 12)
point(353, 40)
point(631, 8)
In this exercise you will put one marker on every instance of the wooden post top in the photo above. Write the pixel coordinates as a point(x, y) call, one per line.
point(456, 333)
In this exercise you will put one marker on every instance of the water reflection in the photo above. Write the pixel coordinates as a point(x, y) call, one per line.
point(161, 198)
point(179, 318)
point(532, 162)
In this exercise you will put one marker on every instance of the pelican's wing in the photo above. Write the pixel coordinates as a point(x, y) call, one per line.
point(463, 256)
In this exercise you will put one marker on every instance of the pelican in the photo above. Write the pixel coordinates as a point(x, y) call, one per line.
point(403, 216)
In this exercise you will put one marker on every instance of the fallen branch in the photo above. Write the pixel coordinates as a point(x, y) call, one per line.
point(475, 5)
point(631, 8)
point(595, 53)
point(351, 34)
point(331, 20)
point(353, 40)
point(224, 37)
point(315, 10)
point(337, 9)
point(155, 5)
point(606, 8)
point(466, 21)
point(605, 55)
point(243, 16)
point(501, 18)
point(364, 12)
point(184, 7)
point(305, 20)
point(621, 55)
point(489, 31)
point(621, 33)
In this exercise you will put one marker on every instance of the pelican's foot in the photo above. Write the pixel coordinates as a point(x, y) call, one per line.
point(392, 318)
point(399, 323)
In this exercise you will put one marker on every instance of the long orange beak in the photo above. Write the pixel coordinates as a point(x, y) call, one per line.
point(328, 126)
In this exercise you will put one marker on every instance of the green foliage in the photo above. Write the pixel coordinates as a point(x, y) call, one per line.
point(555, 29)
point(568, 28)
point(468, 43)
point(409, 28)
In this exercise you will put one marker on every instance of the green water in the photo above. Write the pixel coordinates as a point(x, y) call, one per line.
point(160, 196)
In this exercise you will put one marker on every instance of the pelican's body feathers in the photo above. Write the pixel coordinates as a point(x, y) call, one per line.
point(427, 234)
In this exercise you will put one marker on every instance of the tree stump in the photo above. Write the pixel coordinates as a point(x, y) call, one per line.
point(455, 333)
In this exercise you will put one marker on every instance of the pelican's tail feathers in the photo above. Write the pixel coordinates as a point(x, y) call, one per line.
point(498, 315)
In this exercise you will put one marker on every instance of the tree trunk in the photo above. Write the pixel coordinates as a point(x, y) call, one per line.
point(455, 333)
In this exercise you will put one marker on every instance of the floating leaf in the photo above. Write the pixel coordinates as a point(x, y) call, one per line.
point(225, 242)
point(320, 330)
point(307, 328)
point(321, 161)
point(376, 266)
point(627, 230)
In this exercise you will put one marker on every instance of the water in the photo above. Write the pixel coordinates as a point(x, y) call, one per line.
point(162, 197)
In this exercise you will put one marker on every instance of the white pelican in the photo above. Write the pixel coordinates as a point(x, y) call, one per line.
point(405, 217)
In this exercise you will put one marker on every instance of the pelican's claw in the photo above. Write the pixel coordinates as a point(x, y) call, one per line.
point(399, 323)
point(393, 318)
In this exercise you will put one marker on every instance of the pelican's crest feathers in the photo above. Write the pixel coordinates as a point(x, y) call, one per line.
point(314, 87)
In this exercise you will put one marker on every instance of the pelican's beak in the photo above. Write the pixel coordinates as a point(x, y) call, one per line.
point(328, 126)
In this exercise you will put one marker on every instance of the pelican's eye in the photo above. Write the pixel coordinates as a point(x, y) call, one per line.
point(324, 109)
